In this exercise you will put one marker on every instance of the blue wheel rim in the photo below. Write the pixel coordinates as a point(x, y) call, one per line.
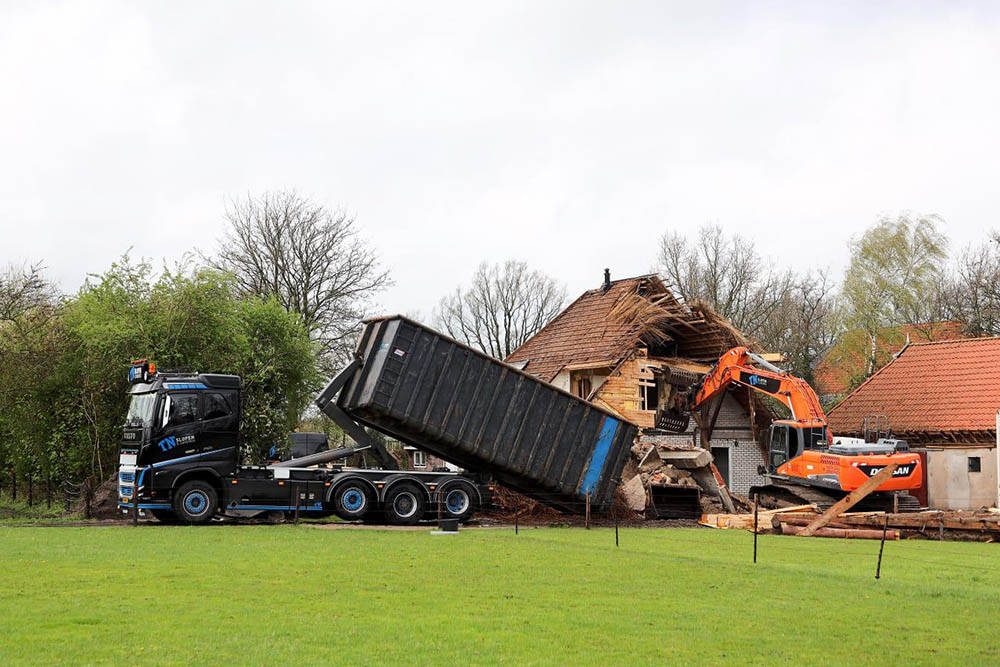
point(457, 501)
point(196, 503)
point(353, 500)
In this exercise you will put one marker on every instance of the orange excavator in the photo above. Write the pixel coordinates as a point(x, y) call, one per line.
point(805, 463)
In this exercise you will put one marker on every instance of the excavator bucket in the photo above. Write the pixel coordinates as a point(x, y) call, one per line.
point(672, 413)
point(672, 420)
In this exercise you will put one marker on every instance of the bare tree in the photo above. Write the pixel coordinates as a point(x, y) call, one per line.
point(806, 325)
point(729, 274)
point(505, 305)
point(23, 289)
point(973, 291)
point(309, 258)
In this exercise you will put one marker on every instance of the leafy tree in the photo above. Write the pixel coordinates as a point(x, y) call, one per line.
point(895, 277)
point(63, 383)
point(503, 307)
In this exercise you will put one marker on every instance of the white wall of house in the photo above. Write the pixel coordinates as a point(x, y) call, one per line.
point(951, 484)
point(561, 380)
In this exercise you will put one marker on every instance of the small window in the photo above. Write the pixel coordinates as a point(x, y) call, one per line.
point(647, 389)
point(419, 459)
point(216, 406)
point(975, 465)
point(583, 387)
point(183, 409)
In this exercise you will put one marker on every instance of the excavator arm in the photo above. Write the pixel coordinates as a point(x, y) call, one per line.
point(742, 368)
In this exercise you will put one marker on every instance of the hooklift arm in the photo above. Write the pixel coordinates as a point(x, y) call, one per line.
point(734, 368)
point(327, 403)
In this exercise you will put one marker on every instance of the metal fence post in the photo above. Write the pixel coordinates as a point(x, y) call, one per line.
point(755, 528)
point(587, 520)
point(298, 491)
point(878, 566)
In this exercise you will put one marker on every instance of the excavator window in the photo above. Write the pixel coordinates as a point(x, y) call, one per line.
point(794, 446)
point(779, 446)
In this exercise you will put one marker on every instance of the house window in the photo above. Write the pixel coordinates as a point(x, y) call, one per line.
point(583, 387)
point(419, 459)
point(975, 465)
point(647, 389)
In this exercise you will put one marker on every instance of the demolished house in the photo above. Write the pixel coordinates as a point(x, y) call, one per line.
point(942, 398)
point(617, 346)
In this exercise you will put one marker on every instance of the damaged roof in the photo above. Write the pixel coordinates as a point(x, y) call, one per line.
point(591, 331)
point(938, 390)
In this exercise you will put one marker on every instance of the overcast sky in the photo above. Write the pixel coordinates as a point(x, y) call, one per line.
point(569, 135)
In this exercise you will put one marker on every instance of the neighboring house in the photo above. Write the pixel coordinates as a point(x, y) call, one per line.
point(845, 365)
point(593, 352)
point(417, 459)
point(943, 398)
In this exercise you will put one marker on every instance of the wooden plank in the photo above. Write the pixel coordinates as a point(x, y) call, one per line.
point(850, 500)
point(793, 508)
point(850, 533)
point(724, 496)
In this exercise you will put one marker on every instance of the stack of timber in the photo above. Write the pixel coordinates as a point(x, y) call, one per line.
point(744, 521)
point(982, 526)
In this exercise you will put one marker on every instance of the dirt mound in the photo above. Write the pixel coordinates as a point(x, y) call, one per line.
point(512, 505)
point(103, 503)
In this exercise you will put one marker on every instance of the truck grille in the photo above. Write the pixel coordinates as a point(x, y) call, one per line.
point(127, 477)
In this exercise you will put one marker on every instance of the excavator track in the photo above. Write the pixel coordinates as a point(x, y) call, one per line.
point(777, 495)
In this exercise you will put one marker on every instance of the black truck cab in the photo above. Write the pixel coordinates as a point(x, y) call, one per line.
point(179, 428)
point(180, 461)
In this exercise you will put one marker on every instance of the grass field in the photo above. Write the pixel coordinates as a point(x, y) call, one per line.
point(266, 594)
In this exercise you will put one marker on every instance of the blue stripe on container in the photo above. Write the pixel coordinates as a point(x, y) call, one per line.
point(604, 440)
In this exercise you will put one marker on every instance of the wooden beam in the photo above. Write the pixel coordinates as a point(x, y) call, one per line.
point(715, 416)
point(850, 500)
point(724, 496)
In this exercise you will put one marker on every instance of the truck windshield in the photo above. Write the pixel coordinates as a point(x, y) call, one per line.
point(140, 411)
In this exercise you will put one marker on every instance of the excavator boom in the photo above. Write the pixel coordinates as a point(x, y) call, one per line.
point(735, 368)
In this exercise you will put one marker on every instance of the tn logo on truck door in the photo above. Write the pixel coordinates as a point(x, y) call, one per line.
point(170, 442)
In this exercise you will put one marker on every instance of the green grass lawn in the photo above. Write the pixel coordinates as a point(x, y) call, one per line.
point(266, 594)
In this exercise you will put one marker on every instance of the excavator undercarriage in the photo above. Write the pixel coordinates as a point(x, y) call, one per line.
point(778, 493)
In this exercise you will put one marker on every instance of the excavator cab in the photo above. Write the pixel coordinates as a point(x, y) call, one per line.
point(789, 439)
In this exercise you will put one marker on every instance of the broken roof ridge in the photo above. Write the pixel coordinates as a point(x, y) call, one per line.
point(954, 341)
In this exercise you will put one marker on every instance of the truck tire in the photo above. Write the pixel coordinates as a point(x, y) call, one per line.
point(458, 501)
point(196, 502)
point(404, 504)
point(352, 500)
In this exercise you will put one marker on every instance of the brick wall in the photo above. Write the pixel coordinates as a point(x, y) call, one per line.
point(621, 393)
point(744, 457)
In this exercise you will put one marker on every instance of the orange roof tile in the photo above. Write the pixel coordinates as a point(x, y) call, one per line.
point(937, 387)
point(583, 332)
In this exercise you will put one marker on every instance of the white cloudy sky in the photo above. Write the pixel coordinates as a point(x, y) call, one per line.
point(570, 135)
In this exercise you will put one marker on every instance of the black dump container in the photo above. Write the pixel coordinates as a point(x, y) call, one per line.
point(428, 390)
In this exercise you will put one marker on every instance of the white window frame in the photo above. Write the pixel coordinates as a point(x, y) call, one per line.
point(647, 379)
point(419, 459)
